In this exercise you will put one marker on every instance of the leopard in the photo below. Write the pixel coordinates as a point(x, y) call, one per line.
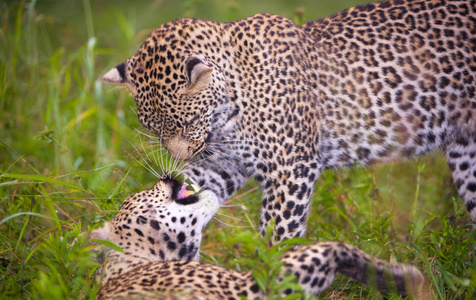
point(164, 223)
point(267, 99)
point(160, 231)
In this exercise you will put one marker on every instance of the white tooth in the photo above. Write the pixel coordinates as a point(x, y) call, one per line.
point(191, 183)
point(195, 187)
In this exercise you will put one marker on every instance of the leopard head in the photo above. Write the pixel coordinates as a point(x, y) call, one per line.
point(177, 84)
point(161, 224)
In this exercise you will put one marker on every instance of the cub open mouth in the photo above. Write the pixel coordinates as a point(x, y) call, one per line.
point(186, 193)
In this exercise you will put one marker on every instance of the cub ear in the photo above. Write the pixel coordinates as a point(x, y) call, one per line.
point(198, 73)
point(117, 75)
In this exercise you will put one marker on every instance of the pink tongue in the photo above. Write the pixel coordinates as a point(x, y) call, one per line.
point(181, 193)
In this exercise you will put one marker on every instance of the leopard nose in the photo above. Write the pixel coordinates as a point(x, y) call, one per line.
point(179, 148)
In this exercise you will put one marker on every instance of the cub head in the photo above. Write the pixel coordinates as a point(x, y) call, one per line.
point(176, 83)
point(161, 224)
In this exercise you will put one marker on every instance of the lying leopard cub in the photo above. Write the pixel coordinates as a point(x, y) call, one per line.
point(160, 232)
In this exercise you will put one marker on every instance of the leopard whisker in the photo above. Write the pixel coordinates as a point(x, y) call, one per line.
point(240, 204)
point(224, 156)
point(152, 137)
point(157, 159)
point(150, 160)
point(161, 142)
point(233, 226)
point(134, 110)
point(226, 159)
point(146, 165)
point(230, 217)
point(233, 141)
point(230, 205)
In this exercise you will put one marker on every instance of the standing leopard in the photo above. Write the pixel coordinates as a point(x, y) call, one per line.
point(265, 98)
point(160, 232)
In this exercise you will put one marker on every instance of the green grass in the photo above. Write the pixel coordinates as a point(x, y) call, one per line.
point(67, 161)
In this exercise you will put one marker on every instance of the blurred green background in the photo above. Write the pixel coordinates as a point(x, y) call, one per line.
point(72, 149)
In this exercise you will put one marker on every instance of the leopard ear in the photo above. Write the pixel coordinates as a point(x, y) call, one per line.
point(198, 73)
point(117, 75)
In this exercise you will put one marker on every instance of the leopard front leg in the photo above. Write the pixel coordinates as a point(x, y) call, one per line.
point(286, 200)
point(461, 157)
point(223, 177)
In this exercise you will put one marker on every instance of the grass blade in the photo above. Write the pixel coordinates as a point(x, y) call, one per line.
point(42, 179)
